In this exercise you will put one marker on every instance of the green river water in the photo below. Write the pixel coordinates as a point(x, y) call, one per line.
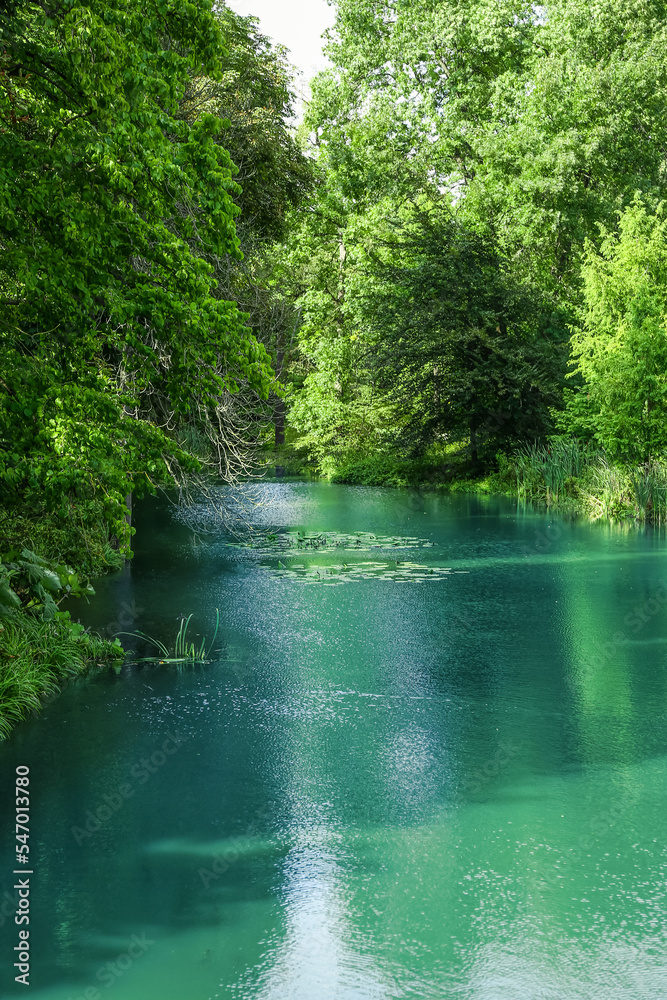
point(429, 764)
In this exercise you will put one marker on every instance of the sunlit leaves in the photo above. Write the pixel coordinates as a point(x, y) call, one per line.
point(620, 349)
point(113, 330)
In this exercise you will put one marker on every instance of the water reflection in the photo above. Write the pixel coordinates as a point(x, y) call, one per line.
point(380, 791)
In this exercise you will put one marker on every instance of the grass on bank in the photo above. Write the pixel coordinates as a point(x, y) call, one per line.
point(561, 472)
point(36, 657)
point(442, 464)
point(566, 473)
point(40, 646)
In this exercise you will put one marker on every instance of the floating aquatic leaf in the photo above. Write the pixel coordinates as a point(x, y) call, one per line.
point(336, 574)
point(326, 541)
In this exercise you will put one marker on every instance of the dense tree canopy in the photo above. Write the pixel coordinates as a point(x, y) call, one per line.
point(525, 131)
point(115, 338)
point(473, 200)
point(620, 349)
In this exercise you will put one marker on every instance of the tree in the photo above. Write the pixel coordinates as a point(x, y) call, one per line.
point(527, 127)
point(620, 348)
point(252, 100)
point(540, 121)
point(113, 335)
point(454, 342)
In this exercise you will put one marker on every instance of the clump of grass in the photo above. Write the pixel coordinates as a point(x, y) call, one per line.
point(543, 471)
point(36, 657)
point(649, 489)
point(566, 468)
point(185, 650)
point(606, 491)
point(617, 492)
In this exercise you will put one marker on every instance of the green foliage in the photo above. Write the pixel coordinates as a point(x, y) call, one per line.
point(420, 335)
point(539, 120)
point(252, 101)
point(581, 476)
point(29, 581)
point(75, 534)
point(620, 350)
point(472, 162)
point(546, 470)
point(377, 470)
point(37, 656)
point(453, 340)
point(335, 412)
point(614, 491)
point(112, 332)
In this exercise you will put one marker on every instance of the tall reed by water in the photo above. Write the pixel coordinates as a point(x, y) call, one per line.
point(565, 469)
point(543, 470)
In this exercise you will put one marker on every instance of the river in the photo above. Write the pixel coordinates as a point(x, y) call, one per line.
point(427, 759)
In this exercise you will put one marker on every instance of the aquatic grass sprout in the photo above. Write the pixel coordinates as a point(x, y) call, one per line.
point(185, 650)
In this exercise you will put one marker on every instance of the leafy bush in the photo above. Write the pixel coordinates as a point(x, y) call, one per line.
point(29, 581)
point(378, 470)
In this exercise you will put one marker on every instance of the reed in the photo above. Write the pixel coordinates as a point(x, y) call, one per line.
point(544, 470)
point(185, 650)
point(649, 491)
point(564, 466)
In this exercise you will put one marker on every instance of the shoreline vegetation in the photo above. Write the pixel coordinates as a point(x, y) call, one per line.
point(561, 474)
point(41, 647)
point(191, 283)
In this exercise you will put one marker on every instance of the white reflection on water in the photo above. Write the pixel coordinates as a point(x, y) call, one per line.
point(317, 956)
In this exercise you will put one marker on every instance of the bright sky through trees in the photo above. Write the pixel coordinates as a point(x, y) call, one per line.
point(298, 24)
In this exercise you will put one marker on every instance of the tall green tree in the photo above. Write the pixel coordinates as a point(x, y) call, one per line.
point(453, 341)
point(541, 121)
point(253, 102)
point(620, 348)
point(113, 334)
point(532, 126)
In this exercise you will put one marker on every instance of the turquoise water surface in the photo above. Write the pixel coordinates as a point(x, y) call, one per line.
point(428, 764)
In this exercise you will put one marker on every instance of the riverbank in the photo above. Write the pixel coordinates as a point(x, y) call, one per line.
point(562, 474)
point(37, 657)
point(40, 646)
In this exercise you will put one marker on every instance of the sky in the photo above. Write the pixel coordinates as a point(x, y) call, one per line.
point(298, 24)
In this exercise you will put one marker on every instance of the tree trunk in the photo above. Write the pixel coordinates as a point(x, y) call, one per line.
point(279, 408)
point(474, 456)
